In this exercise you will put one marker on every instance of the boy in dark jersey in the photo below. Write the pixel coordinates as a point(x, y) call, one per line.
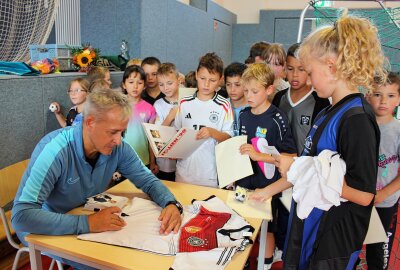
point(300, 102)
point(264, 124)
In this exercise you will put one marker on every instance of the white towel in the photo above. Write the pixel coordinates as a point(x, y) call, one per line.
point(317, 182)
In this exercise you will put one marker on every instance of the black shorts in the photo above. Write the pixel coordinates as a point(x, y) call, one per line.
point(273, 224)
point(170, 176)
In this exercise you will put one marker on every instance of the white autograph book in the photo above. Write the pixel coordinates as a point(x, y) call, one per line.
point(165, 141)
point(231, 165)
point(376, 233)
point(185, 91)
point(250, 208)
point(286, 198)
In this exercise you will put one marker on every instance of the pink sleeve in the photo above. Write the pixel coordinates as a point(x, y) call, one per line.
point(153, 114)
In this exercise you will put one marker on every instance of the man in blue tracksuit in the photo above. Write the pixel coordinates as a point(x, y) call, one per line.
point(71, 164)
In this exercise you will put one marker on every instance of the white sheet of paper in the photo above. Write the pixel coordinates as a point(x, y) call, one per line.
point(185, 91)
point(250, 208)
point(376, 233)
point(231, 165)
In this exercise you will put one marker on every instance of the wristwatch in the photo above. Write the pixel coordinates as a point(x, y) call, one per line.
point(177, 204)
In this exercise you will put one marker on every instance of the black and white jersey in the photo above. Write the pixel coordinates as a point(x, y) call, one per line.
point(300, 114)
point(208, 226)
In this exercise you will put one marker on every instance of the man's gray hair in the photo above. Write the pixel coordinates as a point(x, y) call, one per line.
point(99, 102)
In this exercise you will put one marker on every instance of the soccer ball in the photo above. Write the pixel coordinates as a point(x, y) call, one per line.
point(116, 176)
point(53, 107)
point(240, 194)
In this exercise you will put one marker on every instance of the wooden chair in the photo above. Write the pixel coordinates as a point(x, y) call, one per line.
point(10, 178)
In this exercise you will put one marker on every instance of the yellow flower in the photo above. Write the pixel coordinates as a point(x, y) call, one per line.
point(84, 59)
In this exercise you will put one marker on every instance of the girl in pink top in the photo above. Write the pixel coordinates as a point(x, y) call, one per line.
point(133, 82)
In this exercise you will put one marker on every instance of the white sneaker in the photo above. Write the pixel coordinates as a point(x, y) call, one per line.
point(277, 255)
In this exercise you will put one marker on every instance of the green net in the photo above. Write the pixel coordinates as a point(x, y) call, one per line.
point(387, 22)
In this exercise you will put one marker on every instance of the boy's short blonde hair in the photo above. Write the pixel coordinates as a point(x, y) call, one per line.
point(95, 73)
point(259, 72)
point(98, 84)
point(134, 61)
point(166, 69)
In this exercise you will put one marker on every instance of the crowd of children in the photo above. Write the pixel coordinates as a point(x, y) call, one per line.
point(302, 102)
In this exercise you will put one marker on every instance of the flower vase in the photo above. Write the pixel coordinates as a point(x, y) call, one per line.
point(84, 69)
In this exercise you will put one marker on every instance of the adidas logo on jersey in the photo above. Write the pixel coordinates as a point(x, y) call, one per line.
point(188, 116)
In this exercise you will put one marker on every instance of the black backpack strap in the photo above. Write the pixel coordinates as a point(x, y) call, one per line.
point(320, 104)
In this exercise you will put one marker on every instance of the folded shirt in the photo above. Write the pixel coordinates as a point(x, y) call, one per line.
point(317, 182)
point(206, 225)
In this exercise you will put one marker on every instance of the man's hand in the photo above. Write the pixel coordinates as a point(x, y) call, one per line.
point(170, 219)
point(106, 220)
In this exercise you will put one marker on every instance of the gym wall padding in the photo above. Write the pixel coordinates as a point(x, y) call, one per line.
point(167, 29)
point(276, 26)
point(24, 103)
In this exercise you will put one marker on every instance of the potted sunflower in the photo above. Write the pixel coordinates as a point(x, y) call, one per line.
point(84, 57)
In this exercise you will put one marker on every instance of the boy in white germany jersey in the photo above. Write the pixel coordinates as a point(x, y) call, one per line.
point(209, 113)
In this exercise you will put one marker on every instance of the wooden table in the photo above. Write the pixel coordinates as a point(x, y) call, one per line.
point(105, 256)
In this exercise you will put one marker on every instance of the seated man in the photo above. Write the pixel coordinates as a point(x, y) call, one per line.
point(68, 165)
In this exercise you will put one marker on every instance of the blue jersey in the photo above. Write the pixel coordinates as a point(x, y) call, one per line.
point(332, 239)
point(59, 178)
point(273, 126)
point(236, 114)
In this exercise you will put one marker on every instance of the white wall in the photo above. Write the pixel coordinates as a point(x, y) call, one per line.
point(248, 11)
point(184, 1)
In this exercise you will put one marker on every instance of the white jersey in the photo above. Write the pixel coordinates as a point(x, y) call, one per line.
point(163, 107)
point(209, 228)
point(215, 259)
point(200, 167)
